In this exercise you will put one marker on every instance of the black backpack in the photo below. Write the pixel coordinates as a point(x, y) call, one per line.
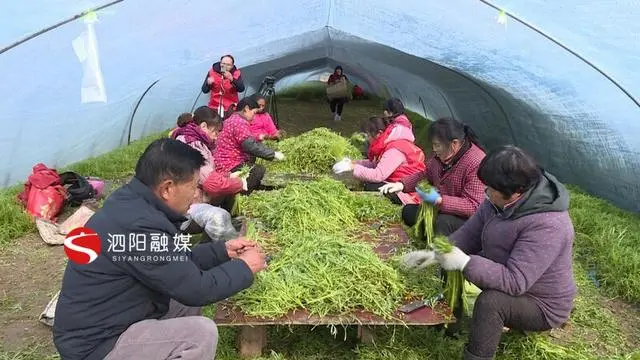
point(77, 187)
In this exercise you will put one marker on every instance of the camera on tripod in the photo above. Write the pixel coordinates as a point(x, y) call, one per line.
point(268, 86)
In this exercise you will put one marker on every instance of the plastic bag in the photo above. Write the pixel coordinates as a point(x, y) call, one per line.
point(215, 221)
point(470, 293)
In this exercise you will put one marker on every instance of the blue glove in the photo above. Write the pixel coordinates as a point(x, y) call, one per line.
point(431, 197)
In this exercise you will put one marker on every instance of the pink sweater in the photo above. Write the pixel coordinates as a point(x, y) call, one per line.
point(262, 124)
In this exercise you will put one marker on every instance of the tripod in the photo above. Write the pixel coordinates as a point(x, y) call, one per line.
point(268, 91)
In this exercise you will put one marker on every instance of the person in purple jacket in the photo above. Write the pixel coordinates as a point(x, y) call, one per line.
point(517, 248)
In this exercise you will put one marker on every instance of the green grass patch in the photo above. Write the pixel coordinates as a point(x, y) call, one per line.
point(420, 130)
point(14, 221)
point(116, 164)
point(607, 242)
point(308, 91)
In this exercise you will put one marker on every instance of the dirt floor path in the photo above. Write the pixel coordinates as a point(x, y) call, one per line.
point(30, 274)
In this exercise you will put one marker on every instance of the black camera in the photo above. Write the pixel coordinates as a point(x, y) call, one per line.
point(268, 86)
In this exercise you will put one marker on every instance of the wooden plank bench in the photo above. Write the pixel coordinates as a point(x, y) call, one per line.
point(252, 334)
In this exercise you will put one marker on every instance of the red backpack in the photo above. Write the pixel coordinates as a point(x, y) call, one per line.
point(43, 194)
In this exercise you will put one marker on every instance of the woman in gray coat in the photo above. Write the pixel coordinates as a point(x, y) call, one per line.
point(517, 248)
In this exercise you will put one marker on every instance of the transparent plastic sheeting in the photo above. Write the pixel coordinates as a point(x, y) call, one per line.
point(508, 82)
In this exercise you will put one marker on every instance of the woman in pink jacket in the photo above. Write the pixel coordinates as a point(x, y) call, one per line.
point(392, 156)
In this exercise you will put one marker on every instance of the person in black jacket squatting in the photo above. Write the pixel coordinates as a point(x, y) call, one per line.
point(143, 301)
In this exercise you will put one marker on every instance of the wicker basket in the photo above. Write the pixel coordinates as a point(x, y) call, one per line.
point(337, 90)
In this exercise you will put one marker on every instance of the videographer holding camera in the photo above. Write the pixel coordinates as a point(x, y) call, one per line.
point(224, 82)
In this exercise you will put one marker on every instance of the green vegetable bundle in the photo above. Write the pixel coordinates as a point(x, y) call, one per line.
point(456, 287)
point(423, 230)
point(326, 275)
point(312, 153)
point(454, 279)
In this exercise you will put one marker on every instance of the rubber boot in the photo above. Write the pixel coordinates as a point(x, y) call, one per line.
point(469, 356)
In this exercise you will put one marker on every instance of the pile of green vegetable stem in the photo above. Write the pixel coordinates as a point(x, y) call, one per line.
point(320, 263)
point(311, 153)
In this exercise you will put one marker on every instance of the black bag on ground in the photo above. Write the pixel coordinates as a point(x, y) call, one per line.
point(77, 187)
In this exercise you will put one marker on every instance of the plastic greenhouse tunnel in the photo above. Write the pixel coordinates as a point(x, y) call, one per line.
point(559, 79)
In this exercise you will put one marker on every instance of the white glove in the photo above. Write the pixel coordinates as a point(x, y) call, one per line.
point(454, 260)
point(278, 156)
point(244, 185)
point(343, 165)
point(390, 188)
point(419, 259)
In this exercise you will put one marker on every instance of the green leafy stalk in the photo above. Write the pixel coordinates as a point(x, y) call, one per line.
point(455, 282)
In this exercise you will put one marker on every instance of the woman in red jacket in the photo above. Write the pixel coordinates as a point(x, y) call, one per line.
point(392, 156)
point(452, 170)
point(224, 82)
point(199, 130)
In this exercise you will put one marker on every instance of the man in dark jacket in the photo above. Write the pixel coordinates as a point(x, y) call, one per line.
point(517, 248)
point(139, 298)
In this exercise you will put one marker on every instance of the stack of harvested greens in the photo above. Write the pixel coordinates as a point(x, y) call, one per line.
point(312, 153)
point(320, 265)
point(321, 206)
point(326, 275)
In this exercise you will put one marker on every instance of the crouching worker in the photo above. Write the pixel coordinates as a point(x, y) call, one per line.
point(200, 130)
point(452, 171)
point(392, 156)
point(140, 298)
point(236, 146)
point(262, 126)
point(517, 248)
